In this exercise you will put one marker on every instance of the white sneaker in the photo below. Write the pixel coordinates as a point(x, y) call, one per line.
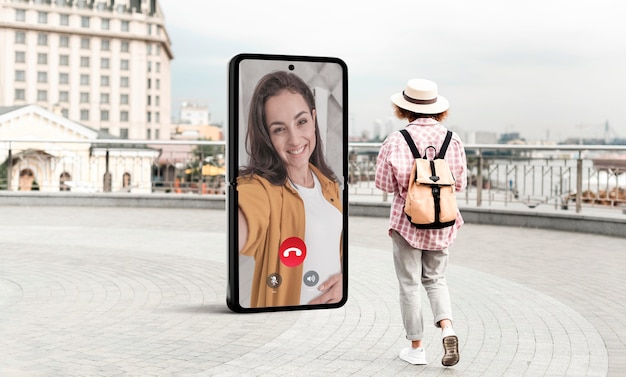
point(415, 356)
point(450, 347)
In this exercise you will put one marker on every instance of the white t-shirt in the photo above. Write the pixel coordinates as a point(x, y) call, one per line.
point(324, 224)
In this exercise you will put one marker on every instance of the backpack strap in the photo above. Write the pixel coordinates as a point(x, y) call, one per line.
point(416, 153)
point(444, 146)
point(409, 140)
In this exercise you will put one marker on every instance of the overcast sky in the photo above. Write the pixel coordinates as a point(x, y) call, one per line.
point(543, 68)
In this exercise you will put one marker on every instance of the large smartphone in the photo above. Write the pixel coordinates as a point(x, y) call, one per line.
point(287, 190)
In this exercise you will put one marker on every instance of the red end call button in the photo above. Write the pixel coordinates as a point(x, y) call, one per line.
point(292, 251)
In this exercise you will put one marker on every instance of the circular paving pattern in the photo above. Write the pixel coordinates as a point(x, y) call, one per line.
point(132, 298)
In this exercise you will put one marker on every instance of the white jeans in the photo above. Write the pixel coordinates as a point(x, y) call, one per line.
point(415, 268)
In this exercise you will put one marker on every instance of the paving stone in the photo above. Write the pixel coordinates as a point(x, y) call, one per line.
point(110, 291)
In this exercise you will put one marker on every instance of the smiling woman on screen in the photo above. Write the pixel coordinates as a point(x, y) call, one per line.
point(290, 212)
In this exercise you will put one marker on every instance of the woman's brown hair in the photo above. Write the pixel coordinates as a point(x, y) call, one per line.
point(264, 160)
point(411, 116)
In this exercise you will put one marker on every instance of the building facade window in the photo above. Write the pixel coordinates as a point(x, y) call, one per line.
point(104, 80)
point(65, 112)
point(42, 95)
point(104, 63)
point(104, 115)
point(124, 82)
point(64, 96)
point(42, 17)
point(105, 45)
point(157, 117)
point(125, 26)
point(84, 43)
point(124, 116)
point(84, 97)
point(64, 60)
point(20, 15)
point(20, 57)
point(64, 78)
point(84, 79)
point(84, 61)
point(84, 21)
point(64, 41)
point(84, 115)
point(42, 58)
point(20, 94)
point(64, 20)
point(124, 99)
point(105, 24)
point(124, 46)
point(42, 77)
point(124, 133)
point(104, 98)
point(20, 75)
point(124, 65)
point(20, 37)
point(42, 39)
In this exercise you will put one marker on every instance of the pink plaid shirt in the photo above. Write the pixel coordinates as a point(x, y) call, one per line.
point(393, 168)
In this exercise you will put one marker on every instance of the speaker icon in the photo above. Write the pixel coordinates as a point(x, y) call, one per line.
point(311, 278)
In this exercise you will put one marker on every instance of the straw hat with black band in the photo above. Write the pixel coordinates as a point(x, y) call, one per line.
point(420, 96)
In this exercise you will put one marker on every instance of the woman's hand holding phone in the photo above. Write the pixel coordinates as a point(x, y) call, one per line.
point(332, 291)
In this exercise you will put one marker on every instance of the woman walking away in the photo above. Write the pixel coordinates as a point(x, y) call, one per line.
point(421, 255)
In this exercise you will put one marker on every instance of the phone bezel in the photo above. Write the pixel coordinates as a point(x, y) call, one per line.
point(232, 147)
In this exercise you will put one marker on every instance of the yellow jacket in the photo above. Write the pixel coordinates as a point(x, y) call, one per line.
point(274, 213)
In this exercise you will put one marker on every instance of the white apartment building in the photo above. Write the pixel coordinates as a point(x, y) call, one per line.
point(194, 114)
point(102, 63)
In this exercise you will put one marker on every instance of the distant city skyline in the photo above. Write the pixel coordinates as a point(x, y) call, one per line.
point(543, 69)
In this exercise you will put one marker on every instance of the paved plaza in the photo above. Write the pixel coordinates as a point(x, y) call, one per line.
point(111, 291)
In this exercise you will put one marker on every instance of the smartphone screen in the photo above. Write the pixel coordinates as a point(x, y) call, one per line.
point(287, 189)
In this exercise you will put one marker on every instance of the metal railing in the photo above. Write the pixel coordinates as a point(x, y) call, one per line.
point(529, 175)
point(116, 165)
